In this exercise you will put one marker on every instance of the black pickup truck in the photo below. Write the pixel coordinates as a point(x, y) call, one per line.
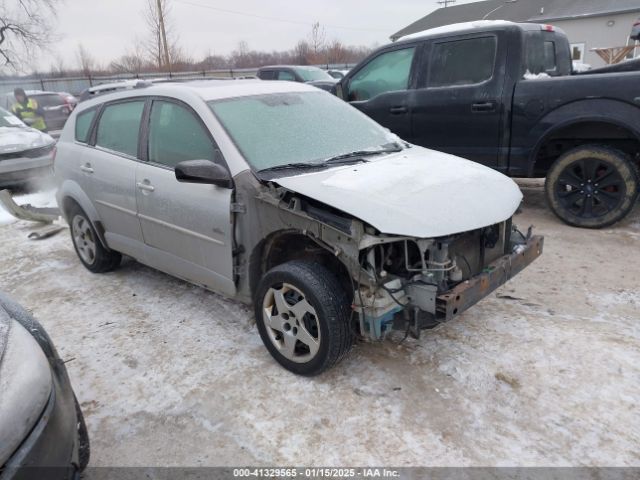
point(503, 94)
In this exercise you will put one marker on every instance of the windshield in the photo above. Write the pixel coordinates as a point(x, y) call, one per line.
point(311, 74)
point(8, 119)
point(303, 127)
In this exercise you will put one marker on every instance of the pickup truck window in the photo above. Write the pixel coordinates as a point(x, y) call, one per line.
point(386, 73)
point(462, 62)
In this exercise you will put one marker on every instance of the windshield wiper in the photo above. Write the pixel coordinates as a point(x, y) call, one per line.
point(290, 166)
point(351, 157)
point(390, 148)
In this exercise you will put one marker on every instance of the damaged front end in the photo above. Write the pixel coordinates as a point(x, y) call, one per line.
point(412, 284)
point(399, 282)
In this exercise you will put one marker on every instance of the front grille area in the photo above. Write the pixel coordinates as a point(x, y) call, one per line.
point(32, 153)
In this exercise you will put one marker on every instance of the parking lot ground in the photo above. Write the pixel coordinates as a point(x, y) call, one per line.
point(544, 372)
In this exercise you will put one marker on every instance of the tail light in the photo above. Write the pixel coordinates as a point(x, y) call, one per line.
point(548, 28)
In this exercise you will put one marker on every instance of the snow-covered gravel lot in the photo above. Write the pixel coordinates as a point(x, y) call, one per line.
point(545, 372)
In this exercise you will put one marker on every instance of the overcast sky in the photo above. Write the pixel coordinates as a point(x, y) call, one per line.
point(107, 28)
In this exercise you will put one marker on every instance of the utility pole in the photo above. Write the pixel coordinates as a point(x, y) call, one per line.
point(165, 48)
point(446, 2)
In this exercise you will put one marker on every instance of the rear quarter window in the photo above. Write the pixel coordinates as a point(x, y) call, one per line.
point(83, 123)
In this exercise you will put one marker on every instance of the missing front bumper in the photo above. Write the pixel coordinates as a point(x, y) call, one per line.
point(468, 293)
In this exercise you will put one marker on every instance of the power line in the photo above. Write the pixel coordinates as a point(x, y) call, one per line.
point(446, 2)
point(274, 19)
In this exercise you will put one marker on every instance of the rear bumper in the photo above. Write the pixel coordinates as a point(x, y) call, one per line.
point(467, 294)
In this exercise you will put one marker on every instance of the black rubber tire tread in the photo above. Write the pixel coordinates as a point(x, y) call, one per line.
point(84, 446)
point(620, 160)
point(324, 292)
point(105, 260)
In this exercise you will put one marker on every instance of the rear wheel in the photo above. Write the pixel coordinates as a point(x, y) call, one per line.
point(302, 314)
point(90, 250)
point(592, 186)
point(84, 447)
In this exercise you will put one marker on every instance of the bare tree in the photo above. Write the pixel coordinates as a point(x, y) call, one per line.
point(336, 52)
point(317, 40)
point(162, 42)
point(133, 61)
point(86, 61)
point(301, 53)
point(25, 28)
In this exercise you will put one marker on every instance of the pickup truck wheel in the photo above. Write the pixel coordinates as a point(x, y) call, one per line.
point(302, 314)
point(592, 186)
point(90, 250)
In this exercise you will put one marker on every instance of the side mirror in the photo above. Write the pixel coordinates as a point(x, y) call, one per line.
point(203, 171)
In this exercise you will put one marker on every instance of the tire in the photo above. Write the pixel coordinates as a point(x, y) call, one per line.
point(592, 186)
point(84, 446)
point(87, 244)
point(314, 333)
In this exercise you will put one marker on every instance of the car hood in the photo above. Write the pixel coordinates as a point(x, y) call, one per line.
point(417, 193)
point(16, 139)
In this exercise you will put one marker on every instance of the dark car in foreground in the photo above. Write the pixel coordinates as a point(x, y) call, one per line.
point(42, 430)
point(504, 95)
point(297, 73)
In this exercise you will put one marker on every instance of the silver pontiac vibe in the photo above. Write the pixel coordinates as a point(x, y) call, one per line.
point(281, 195)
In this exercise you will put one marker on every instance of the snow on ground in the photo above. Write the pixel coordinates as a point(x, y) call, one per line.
point(545, 372)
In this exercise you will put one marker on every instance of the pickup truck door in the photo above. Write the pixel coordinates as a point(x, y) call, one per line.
point(458, 106)
point(382, 89)
point(187, 227)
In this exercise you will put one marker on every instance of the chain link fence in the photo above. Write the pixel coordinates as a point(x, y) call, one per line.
point(75, 85)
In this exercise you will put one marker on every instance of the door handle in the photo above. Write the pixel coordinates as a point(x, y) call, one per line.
point(398, 110)
point(146, 187)
point(86, 168)
point(483, 107)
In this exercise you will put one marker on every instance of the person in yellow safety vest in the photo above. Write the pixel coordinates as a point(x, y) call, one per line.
point(27, 110)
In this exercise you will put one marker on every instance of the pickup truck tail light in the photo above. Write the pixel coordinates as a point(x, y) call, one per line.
point(548, 28)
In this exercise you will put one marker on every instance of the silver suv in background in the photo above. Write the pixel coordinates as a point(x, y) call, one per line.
point(281, 195)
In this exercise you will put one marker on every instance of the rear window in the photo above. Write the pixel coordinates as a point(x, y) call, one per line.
point(462, 62)
point(119, 127)
point(83, 123)
point(50, 100)
point(549, 56)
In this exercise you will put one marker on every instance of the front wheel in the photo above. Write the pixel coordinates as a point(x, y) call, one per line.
point(592, 186)
point(302, 314)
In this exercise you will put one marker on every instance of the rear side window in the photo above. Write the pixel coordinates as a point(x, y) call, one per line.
point(462, 62)
point(119, 127)
point(266, 75)
point(52, 100)
point(387, 72)
point(285, 75)
point(83, 123)
point(176, 134)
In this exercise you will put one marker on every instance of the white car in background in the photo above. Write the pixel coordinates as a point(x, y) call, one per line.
point(25, 153)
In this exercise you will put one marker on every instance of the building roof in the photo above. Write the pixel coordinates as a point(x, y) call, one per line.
point(519, 11)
